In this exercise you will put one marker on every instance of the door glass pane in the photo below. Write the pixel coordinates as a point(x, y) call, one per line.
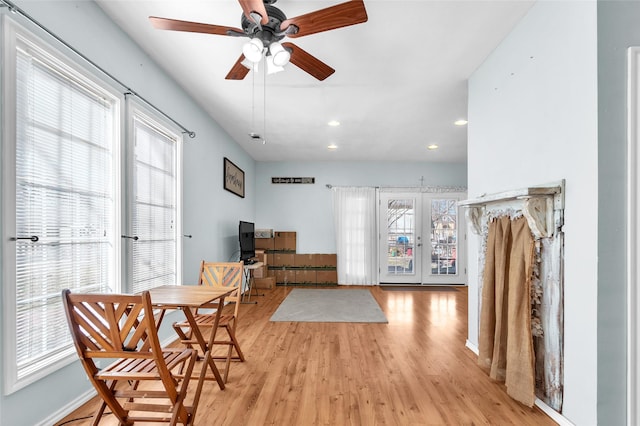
point(444, 236)
point(64, 197)
point(401, 236)
point(154, 209)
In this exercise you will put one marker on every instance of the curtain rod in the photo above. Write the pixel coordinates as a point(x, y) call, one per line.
point(329, 186)
point(438, 189)
point(15, 9)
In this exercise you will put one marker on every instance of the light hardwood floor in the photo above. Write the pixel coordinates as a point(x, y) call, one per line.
point(415, 370)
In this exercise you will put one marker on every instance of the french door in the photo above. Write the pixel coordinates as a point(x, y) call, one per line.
point(422, 238)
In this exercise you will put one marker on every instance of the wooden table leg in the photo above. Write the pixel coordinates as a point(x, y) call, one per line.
point(207, 347)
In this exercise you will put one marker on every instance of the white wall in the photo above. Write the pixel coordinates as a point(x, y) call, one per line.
point(617, 30)
point(307, 210)
point(533, 120)
point(210, 214)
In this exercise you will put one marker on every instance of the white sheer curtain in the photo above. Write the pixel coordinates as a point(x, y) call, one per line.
point(354, 214)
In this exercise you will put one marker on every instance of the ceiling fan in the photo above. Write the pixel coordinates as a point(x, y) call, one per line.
point(265, 25)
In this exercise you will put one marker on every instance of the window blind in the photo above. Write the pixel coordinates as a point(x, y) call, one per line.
point(154, 208)
point(64, 196)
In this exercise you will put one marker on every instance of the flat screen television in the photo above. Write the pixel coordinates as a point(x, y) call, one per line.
point(247, 237)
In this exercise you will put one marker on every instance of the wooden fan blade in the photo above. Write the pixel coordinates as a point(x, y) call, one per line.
point(249, 6)
point(338, 16)
point(308, 62)
point(194, 27)
point(238, 71)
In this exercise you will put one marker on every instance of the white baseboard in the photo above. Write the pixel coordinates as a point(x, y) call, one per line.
point(472, 347)
point(63, 412)
point(555, 416)
point(82, 399)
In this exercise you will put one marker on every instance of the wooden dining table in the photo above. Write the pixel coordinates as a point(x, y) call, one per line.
point(188, 298)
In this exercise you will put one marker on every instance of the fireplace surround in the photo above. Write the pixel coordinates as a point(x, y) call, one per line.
point(543, 208)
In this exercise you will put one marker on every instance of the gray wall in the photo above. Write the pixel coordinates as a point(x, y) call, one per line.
point(307, 209)
point(533, 119)
point(618, 28)
point(210, 213)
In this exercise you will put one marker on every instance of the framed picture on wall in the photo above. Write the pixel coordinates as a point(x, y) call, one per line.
point(233, 178)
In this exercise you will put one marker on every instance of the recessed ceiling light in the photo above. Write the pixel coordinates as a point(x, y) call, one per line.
point(460, 122)
point(334, 123)
point(432, 146)
point(332, 147)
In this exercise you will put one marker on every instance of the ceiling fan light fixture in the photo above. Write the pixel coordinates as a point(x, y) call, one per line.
point(279, 54)
point(272, 68)
point(252, 50)
point(253, 66)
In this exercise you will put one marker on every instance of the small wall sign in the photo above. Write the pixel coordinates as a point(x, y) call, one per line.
point(293, 180)
point(233, 178)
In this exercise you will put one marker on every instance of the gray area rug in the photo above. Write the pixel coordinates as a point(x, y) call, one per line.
point(329, 305)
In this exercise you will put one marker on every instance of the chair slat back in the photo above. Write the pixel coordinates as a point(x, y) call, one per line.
point(111, 325)
point(122, 326)
point(224, 274)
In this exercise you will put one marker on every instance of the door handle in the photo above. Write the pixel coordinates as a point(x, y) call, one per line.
point(33, 238)
point(131, 238)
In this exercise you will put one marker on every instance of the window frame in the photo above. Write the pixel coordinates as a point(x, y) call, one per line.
point(133, 109)
point(14, 33)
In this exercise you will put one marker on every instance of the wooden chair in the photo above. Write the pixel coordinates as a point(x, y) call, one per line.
point(219, 274)
point(123, 327)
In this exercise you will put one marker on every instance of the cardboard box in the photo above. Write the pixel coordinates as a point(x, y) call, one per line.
point(283, 259)
point(327, 261)
point(267, 282)
point(306, 277)
point(304, 260)
point(264, 233)
point(261, 256)
point(285, 241)
point(286, 276)
point(265, 243)
point(260, 272)
point(327, 277)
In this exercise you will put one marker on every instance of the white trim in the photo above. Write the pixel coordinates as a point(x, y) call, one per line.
point(555, 416)
point(633, 226)
point(63, 412)
point(136, 109)
point(8, 215)
point(15, 34)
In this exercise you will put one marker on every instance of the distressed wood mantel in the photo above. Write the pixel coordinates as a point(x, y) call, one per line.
point(541, 205)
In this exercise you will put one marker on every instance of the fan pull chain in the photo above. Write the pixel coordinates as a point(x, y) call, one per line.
point(264, 105)
point(253, 102)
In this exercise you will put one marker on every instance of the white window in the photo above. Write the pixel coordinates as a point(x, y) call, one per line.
point(153, 226)
point(63, 182)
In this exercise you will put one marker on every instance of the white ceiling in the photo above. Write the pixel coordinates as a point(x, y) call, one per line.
point(400, 80)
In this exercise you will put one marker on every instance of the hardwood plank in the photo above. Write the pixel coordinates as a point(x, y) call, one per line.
point(415, 370)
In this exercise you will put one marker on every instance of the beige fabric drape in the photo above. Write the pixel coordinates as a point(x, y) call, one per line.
point(505, 341)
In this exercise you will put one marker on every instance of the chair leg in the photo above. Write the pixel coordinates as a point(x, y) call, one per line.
point(100, 412)
point(105, 390)
point(180, 412)
point(236, 345)
point(98, 415)
point(201, 378)
point(182, 335)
